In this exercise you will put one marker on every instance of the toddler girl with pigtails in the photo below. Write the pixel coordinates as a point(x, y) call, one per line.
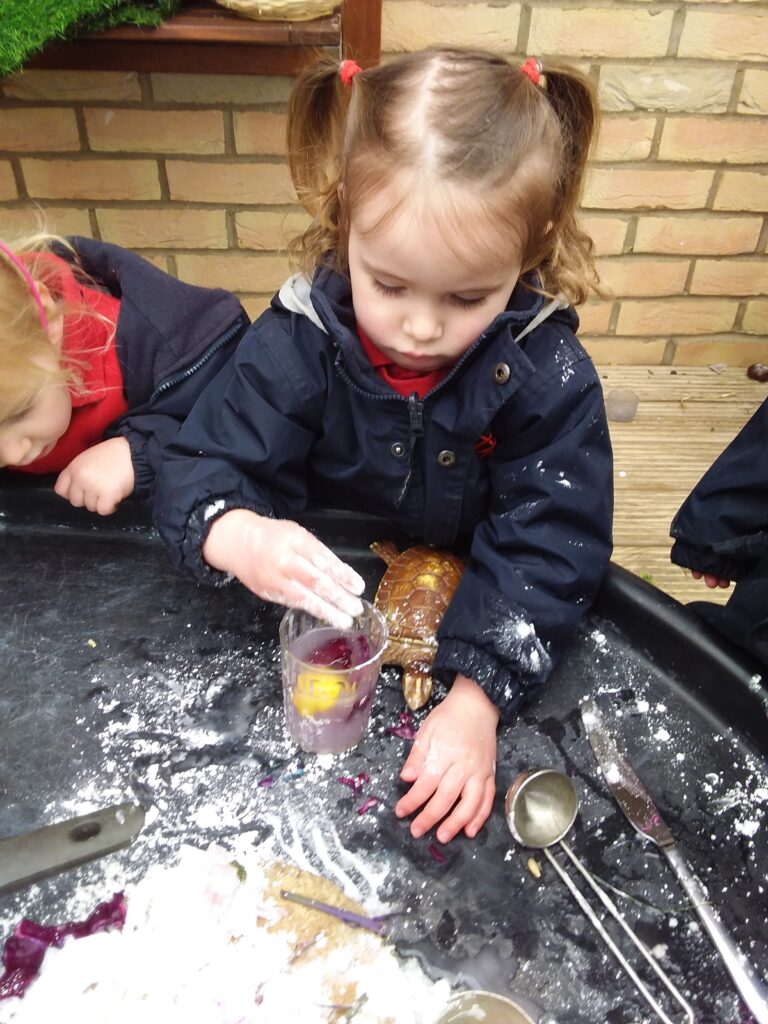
point(101, 357)
point(424, 368)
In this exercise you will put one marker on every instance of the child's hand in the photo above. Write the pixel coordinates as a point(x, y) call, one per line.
point(453, 755)
point(711, 581)
point(98, 478)
point(281, 561)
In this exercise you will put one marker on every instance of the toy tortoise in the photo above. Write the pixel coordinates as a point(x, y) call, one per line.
point(413, 596)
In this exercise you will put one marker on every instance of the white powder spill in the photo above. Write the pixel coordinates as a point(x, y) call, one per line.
point(202, 942)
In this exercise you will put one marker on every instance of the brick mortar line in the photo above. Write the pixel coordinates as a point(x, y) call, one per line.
point(630, 236)
point(18, 177)
point(82, 130)
point(272, 160)
point(677, 165)
point(148, 204)
point(714, 188)
point(524, 29)
point(162, 177)
point(689, 276)
point(736, 87)
point(676, 32)
point(741, 312)
point(151, 106)
point(230, 140)
point(690, 340)
point(110, 155)
point(613, 317)
point(12, 103)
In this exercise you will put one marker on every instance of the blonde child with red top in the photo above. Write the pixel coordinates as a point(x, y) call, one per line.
point(74, 399)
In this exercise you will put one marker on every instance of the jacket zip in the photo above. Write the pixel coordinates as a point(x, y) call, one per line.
point(185, 374)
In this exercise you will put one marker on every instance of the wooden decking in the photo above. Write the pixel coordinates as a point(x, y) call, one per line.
point(686, 417)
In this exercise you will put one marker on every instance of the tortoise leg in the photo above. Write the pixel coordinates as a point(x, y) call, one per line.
point(417, 683)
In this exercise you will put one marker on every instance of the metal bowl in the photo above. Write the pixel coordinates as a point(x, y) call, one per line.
point(487, 1007)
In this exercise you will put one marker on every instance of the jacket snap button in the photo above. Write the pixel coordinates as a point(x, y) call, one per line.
point(398, 450)
point(501, 373)
point(446, 458)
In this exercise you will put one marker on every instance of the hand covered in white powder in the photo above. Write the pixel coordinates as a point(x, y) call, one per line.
point(281, 561)
point(453, 758)
point(98, 478)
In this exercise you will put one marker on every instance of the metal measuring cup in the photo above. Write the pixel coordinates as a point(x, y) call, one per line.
point(540, 808)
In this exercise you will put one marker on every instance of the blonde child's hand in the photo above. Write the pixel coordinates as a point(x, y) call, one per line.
point(98, 478)
point(453, 756)
point(281, 561)
point(711, 581)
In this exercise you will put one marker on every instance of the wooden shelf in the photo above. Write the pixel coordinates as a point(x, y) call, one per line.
point(209, 39)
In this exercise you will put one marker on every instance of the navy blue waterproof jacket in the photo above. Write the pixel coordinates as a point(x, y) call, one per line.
point(722, 529)
point(172, 338)
point(300, 418)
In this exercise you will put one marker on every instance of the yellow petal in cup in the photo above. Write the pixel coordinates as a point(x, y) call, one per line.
point(315, 691)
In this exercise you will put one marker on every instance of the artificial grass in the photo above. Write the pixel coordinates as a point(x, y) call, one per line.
point(27, 25)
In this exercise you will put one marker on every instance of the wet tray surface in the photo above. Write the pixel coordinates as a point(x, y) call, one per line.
point(122, 679)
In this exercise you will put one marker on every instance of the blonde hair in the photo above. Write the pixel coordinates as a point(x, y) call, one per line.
point(466, 130)
point(25, 346)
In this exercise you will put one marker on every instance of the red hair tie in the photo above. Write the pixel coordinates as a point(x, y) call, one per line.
point(532, 68)
point(348, 69)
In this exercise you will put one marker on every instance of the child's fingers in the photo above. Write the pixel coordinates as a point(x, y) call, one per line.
point(486, 805)
point(710, 580)
point(465, 810)
point(63, 483)
point(328, 589)
point(105, 505)
point(445, 796)
point(325, 561)
point(415, 760)
point(310, 602)
point(317, 569)
point(76, 496)
point(422, 789)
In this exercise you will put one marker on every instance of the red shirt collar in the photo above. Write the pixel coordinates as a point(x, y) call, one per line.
point(401, 380)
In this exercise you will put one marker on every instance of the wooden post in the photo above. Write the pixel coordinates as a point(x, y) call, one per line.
point(361, 31)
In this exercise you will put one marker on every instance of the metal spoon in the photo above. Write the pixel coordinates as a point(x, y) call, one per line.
point(540, 807)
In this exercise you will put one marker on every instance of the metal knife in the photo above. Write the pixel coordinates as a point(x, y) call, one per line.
point(644, 816)
point(32, 856)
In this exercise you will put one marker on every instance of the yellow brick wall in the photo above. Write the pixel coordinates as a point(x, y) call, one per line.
point(189, 170)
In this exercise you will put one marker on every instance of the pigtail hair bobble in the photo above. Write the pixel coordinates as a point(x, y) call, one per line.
point(347, 71)
point(532, 68)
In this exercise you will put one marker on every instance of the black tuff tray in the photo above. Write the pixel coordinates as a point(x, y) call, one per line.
point(122, 679)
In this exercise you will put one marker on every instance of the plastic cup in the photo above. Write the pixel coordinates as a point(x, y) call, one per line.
point(329, 678)
point(621, 405)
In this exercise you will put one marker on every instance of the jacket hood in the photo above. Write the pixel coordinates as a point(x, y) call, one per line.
point(187, 318)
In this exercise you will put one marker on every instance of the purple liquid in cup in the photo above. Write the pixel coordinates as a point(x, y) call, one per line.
point(329, 679)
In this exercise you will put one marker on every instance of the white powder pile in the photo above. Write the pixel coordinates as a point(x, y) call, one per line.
point(203, 942)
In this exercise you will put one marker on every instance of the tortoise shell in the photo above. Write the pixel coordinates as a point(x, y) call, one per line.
point(413, 595)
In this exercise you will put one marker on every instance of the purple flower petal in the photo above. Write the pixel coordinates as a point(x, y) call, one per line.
point(267, 782)
point(356, 783)
point(404, 729)
point(24, 951)
point(366, 805)
point(439, 857)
